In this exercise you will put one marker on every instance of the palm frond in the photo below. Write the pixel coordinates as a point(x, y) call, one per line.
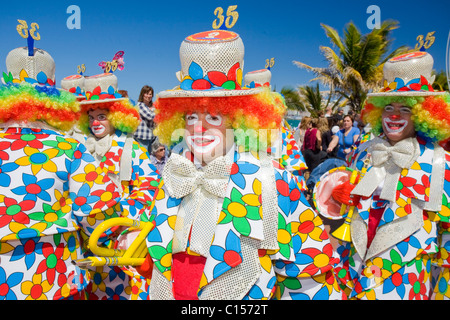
point(356, 67)
point(351, 75)
point(352, 38)
point(324, 75)
point(303, 65)
point(334, 62)
point(334, 37)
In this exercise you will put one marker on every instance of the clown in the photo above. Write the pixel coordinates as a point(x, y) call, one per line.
point(231, 223)
point(50, 190)
point(109, 121)
point(399, 231)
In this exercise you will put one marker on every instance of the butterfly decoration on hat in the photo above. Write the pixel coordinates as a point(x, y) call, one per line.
point(117, 63)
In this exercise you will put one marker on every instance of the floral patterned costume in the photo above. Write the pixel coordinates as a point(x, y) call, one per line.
point(411, 239)
point(50, 190)
point(290, 155)
point(267, 244)
point(118, 283)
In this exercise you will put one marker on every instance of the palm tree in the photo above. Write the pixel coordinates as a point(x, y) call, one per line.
point(292, 99)
point(440, 82)
point(356, 68)
point(313, 99)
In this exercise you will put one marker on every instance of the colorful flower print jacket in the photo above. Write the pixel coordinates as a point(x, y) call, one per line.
point(125, 155)
point(242, 261)
point(290, 156)
point(408, 256)
point(50, 189)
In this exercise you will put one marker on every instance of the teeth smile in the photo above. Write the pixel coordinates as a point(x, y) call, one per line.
point(394, 126)
point(203, 144)
point(203, 141)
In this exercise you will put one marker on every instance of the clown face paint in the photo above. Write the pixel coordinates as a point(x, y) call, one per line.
point(99, 123)
point(203, 144)
point(397, 123)
point(206, 136)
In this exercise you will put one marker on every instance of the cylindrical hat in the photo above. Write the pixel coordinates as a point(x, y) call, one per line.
point(101, 88)
point(211, 66)
point(74, 84)
point(409, 74)
point(258, 78)
point(103, 80)
point(40, 67)
point(73, 81)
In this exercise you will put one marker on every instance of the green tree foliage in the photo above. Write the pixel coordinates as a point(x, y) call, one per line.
point(355, 61)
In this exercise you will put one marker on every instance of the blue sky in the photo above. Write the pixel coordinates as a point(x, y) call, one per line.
point(151, 32)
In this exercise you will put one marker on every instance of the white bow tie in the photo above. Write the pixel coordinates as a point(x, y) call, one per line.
point(402, 153)
point(201, 192)
point(99, 147)
point(388, 162)
point(181, 177)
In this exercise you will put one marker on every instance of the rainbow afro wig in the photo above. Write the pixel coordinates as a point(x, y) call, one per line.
point(122, 114)
point(25, 102)
point(431, 114)
point(247, 115)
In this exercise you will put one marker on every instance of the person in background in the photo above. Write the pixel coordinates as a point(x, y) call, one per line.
point(339, 115)
point(300, 132)
point(345, 138)
point(335, 127)
point(312, 146)
point(159, 155)
point(325, 131)
point(358, 122)
point(144, 133)
point(328, 137)
point(124, 94)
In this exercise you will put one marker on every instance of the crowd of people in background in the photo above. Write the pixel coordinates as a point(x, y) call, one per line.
point(325, 140)
point(327, 136)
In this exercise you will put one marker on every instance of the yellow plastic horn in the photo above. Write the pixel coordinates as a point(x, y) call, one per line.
point(132, 256)
point(343, 232)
